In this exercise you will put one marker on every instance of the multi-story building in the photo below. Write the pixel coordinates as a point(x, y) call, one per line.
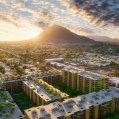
point(42, 93)
point(114, 81)
point(8, 108)
point(90, 106)
point(84, 81)
point(52, 79)
point(13, 85)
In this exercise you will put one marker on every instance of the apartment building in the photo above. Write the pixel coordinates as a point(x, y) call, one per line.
point(8, 108)
point(114, 81)
point(90, 106)
point(84, 81)
point(13, 85)
point(52, 79)
point(42, 93)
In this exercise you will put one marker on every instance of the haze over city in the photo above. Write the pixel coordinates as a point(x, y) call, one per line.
point(28, 18)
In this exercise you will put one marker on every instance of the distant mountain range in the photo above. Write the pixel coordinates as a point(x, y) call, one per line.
point(104, 39)
point(101, 38)
point(59, 35)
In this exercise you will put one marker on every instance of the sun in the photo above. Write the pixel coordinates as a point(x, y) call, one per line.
point(10, 32)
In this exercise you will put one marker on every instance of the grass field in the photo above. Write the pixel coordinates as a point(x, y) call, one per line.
point(22, 100)
point(71, 92)
point(113, 116)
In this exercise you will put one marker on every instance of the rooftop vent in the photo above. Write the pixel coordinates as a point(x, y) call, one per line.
point(107, 94)
point(42, 110)
point(48, 115)
point(70, 106)
point(55, 109)
point(91, 101)
point(117, 91)
point(34, 114)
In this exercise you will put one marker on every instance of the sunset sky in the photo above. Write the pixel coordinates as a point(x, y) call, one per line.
point(25, 19)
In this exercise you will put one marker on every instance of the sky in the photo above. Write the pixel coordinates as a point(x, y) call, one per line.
point(26, 19)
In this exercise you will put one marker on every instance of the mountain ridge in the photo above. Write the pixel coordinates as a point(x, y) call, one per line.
point(104, 39)
point(57, 34)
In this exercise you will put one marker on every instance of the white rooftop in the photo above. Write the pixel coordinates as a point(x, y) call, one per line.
point(55, 59)
point(114, 80)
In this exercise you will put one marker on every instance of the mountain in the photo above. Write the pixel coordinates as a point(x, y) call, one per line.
point(105, 39)
point(57, 34)
point(102, 38)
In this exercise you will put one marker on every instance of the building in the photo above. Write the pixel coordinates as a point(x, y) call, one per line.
point(13, 85)
point(52, 79)
point(90, 106)
point(54, 60)
point(84, 81)
point(114, 81)
point(42, 93)
point(57, 63)
point(9, 109)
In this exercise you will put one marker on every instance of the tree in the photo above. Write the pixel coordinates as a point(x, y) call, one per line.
point(112, 63)
point(2, 70)
point(115, 72)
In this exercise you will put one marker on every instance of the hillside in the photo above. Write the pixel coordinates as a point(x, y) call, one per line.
point(105, 39)
point(102, 38)
point(57, 34)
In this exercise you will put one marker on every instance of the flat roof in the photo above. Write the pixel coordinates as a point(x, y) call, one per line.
point(46, 92)
point(72, 105)
point(114, 80)
point(93, 76)
point(86, 74)
point(9, 113)
point(55, 59)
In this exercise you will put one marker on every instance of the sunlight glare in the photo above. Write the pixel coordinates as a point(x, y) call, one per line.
point(10, 32)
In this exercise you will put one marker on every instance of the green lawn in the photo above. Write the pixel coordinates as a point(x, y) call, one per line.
point(113, 116)
point(22, 100)
point(71, 92)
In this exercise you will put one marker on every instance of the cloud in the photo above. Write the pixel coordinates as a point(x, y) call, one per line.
point(99, 12)
point(16, 27)
point(2, 1)
point(10, 18)
point(84, 17)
